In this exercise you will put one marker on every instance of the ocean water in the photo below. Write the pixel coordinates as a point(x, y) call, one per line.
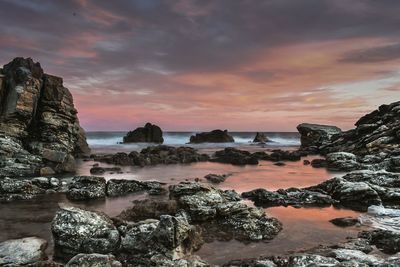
point(103, 142)
point(303, 228)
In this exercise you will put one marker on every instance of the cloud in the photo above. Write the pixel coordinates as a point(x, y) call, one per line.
point(373, 55)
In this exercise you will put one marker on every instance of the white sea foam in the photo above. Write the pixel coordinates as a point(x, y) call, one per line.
point(382, 218)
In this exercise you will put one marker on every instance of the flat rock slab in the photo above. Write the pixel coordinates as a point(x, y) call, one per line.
point(22, 251)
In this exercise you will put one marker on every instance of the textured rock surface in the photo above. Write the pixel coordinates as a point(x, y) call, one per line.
point(315, 135)
point(38, 121)
point(234, 156)
point(120, 187)
point(21, 252)
point(154, 155)
point(215, 136)
point(93, 260)
point(87, 187)
point(150, 133)
point(261, 138)
point(80, 231)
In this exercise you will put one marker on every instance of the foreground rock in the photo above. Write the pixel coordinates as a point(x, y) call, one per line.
point(83, 235)
point(150, 133)
point(93, 260)
point(38, 121)
point(356, 252)
point(79, 231)
point(87, 187)
point(219, 213)
point(21, 252)
point(215, 136)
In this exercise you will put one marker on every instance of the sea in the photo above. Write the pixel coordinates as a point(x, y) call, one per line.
point(303, 228)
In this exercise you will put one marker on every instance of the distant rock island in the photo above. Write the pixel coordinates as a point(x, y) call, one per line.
point(39, 127)
point(150, 133)
point(261, 138)
point(215, 136)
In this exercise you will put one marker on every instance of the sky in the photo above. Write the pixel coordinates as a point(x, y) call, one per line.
point(242, 65)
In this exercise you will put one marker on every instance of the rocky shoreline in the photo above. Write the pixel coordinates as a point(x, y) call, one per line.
point(40, 137)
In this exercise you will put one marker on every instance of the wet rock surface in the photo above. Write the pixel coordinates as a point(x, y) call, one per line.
point(87, 187)
point(161, 154)
point(215, 178)
point(150, 133)
point(215, 136)
point(345, 221)
point(235, 157)
point(261, 138)
point(38, 122)
point(22, 252)
point(120, 187)
point(93, 260)
point(314, 136)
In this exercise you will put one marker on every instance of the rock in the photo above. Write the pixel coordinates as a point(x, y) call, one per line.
point(37, 113)
point(279, 163)
point(101, 170)
point(164, 242)
point(17, 189)
point(306, 162)
point(288, 197)
point(235, 157)
point(78, 231)
point(87, 187)
point(283, 155)
point(385, 240)
point(306, 260)
point(46, 182)
point(150, 133)
point(357, 256)
point(379, 178)
point(357, 195)
point(342, 161)
point(315, 135)
point(46, 171)
point(154, 155)
point(261, 138)
point(93, 260)
point(149, 209)
point(319, 163)
point(215, 136)
point(21, 252)
point(120, 187)
point(216, 209)
point(215, 178)
point(345, 221)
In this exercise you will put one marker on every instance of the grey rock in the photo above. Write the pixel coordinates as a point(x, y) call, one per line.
point(87, 187)
point(93, 260)
point(24, 251)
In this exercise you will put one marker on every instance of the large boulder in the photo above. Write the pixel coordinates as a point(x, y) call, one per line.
point(37, 113)
point(215, 136)
point(22, 252)
point(80, 231)
point(150, 133)
point(314, 136)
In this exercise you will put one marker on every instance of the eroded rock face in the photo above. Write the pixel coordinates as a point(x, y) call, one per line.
point(38, 115)
point(215, 136)
point(80, 231)
point(21, 252)
point(314, 136)
point(150, 133)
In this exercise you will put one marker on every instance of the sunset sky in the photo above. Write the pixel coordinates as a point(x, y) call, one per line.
point(199, 65)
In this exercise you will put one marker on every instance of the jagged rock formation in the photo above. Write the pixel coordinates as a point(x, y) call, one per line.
point(39, 126)
point(261, 138)
point(376, 133)
point(150, 133)
point(215, 136)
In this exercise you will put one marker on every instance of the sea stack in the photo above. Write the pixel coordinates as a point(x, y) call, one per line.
point(39, 127)
point(314, 136)
point(261, 138)
point(215, 136)
point(150, 133)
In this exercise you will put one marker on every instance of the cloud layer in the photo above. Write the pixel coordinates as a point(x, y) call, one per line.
point(199, 65)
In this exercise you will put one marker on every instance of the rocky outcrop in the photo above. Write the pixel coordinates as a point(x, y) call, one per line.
point(120, 187)
point(22, 252)
point(376, 133)
point(235, 157)
point(261, 138)
point(313, 136)
point(215, 136)
point(38, 122)
point(154, 155)
point(356, 190)
point(150, 133)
